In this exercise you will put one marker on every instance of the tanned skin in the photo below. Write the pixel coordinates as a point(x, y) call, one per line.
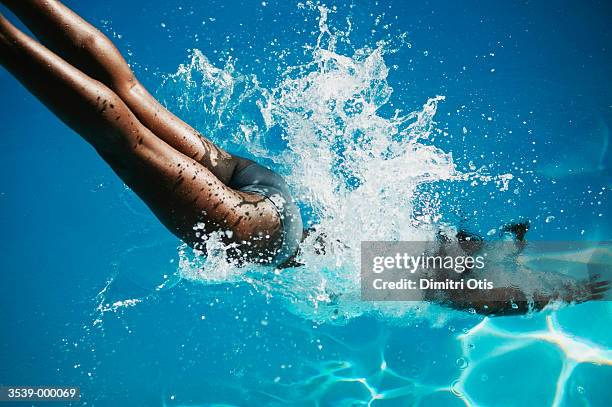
point(79, 74)
point(503, 301)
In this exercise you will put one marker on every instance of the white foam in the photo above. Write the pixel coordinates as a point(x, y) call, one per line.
point(357, 169)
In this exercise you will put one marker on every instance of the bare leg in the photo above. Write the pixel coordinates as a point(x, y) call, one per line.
point(89, 50)
point(179, 190)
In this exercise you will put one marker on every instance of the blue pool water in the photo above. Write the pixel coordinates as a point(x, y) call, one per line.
point(389, 120)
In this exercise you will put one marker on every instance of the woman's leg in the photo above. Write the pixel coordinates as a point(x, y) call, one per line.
point(89, 50)
point(179, 190)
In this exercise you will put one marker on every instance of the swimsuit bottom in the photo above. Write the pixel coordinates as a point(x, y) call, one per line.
point(255, 178)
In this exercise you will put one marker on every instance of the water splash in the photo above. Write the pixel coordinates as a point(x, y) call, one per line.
point(355, 169)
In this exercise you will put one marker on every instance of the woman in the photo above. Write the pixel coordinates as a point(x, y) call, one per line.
point(183, 177)
point(194, 187)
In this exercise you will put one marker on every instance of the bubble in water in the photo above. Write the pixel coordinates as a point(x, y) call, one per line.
point(454, 387)
point(462, 363)
point(549, 219)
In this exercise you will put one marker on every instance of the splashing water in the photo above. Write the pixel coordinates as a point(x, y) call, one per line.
point(355, 171)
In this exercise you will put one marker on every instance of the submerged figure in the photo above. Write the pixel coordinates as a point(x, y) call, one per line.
point(509, 300)
point(194, 187)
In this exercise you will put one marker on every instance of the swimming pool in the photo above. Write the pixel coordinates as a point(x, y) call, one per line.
point(388, 119)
